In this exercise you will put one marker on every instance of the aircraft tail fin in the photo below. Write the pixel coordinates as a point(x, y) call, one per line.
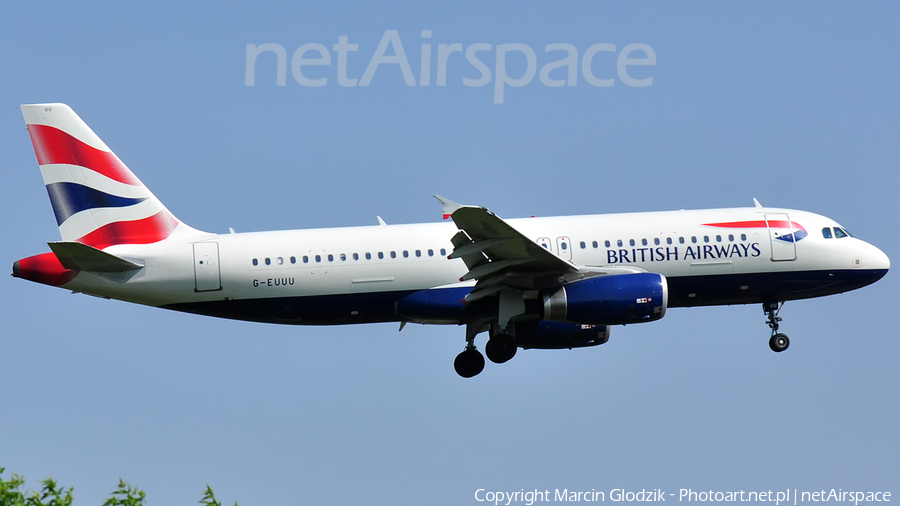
point(97, 200)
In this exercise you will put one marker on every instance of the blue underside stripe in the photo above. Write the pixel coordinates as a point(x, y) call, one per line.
point(438, 303)
point(70, 198)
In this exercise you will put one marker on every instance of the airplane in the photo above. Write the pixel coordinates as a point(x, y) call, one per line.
point(546, 283)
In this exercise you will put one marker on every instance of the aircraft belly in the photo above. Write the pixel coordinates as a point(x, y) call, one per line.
point(751, 288)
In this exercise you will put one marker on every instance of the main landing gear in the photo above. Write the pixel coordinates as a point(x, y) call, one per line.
point(470, 362)
point(778, 342)
point(500, 348)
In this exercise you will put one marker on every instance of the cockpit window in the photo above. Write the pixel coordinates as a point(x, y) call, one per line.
point(826, 232)
point(839, 232)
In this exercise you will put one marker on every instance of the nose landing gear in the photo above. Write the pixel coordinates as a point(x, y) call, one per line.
point(778, 342)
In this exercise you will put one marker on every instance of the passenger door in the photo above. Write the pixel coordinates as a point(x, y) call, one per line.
point(781, 237)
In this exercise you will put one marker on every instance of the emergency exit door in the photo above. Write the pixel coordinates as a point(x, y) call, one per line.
point(207, 275)
point(564, 248)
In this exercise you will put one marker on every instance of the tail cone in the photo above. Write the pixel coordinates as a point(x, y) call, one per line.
point(45, 269)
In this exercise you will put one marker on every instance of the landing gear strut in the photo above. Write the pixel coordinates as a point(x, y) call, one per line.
point(778, 342)
point(470, 362)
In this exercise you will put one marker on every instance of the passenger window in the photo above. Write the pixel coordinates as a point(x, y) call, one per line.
point(731, 237)
point(619, 243)
point(418, 252)
point(544, 245)
point(705, 238)
point(564, 246)
point(443, 252)
point(293, 260)
point(643, 242)
point(305, 259)
point(826, 232)
point(631, 242)
point(381, 255)
point(718, 238)
point(280, 261)
point(318, 258)
point(356, 256)
point(583, 245)
point(255, 262)
point(694, 239)
point(368, 256)
point(431, 252)
point(668, 240)
point(268, 261)
point(743, 237)
point(839, 233)
point(343, 257)
point(681, 240)
point(393, 254)
point(656, 241)
point(330, 257)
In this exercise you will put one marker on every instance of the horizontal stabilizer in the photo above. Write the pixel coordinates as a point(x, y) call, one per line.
point(81, 257)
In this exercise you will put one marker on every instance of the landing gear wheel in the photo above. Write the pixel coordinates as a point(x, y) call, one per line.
point(500, 348)
point(779, 343)
point(469, 363)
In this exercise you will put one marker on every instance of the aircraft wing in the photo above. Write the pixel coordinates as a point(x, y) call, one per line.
point(499, 256)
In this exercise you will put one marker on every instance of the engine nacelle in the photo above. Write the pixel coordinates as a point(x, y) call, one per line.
point(557, 335)
point(609, 300)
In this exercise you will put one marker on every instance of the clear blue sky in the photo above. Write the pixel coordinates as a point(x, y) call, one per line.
point(794, 103)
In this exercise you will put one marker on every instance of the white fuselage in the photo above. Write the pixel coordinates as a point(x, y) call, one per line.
point(396, 259)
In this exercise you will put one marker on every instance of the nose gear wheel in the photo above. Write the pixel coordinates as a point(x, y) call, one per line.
point(778, 342)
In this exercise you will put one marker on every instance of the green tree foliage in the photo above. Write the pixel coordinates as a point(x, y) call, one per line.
point(126, 495)
point(209, 498)
point(11, 490)
point(51, 494)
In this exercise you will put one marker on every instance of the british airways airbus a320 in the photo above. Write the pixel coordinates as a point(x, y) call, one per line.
point(530, 283)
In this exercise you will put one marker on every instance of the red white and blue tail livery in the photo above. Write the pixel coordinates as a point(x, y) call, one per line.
point(97, 200)
point(557, 282)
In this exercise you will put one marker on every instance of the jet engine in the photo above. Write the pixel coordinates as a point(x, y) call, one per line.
point(609, 300)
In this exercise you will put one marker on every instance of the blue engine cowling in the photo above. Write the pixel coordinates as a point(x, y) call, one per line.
point(557, 335)
point(609, 300)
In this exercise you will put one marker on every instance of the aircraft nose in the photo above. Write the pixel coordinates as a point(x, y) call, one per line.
point(879, 260)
